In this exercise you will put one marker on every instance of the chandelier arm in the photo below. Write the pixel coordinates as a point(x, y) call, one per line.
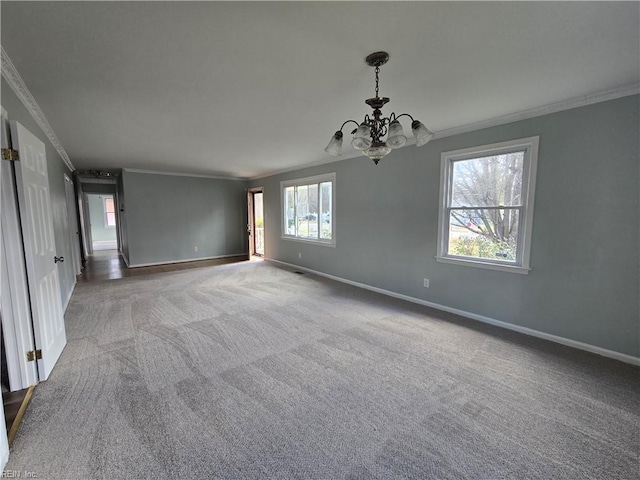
point(396, 117)
point(357, 124)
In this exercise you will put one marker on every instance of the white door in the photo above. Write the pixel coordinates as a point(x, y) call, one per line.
point(40, 248)
point(14, 294)
point(4, 443)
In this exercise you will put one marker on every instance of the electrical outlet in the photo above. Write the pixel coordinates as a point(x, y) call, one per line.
point(299, 254)
point(195, 249)
point(426, 283)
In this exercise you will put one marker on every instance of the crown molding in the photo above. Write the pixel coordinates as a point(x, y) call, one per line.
point(317, 163)
point(581, 101)
point(10, 73)
point(174, 174)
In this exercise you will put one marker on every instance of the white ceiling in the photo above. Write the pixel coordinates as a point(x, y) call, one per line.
point(243, 89)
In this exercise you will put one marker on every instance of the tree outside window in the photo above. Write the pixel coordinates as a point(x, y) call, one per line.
point(487, 205)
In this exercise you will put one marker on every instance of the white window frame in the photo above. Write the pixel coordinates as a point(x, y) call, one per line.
point(525, 223)
point(106, 213)
point(327, 177)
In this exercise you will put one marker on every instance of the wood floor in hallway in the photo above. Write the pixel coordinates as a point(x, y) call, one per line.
point(109, 265)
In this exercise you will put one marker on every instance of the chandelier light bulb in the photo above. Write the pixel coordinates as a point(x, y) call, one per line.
point(422, 133)
point(396, 138)
point(362, 138)
point(335, 144)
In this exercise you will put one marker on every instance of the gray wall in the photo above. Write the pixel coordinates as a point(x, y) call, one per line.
point(167, 216)
point(584, 283)
point(99, 231)
point(56, 169)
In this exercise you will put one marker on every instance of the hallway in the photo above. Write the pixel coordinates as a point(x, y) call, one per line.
point(109, 265)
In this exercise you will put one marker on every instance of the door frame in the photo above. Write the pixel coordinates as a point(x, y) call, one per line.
point(86, 225)
point(72, 224)
point(251, 227)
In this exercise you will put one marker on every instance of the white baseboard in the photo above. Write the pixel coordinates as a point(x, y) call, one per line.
point(623, 357)
point(168, 262)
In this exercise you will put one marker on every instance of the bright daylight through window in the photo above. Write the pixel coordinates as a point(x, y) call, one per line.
point(486, 205)
point(308, 206)
point(110, 212)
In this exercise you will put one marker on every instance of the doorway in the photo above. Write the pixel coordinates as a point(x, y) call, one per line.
point(102, 218)
point(255, 227)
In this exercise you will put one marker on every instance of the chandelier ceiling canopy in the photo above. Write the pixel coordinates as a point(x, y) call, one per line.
point(368, 136)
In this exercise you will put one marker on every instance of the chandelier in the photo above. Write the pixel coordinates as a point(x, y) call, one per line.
point(367, 137)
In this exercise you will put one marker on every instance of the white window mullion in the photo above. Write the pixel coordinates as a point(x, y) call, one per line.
point(295, 211)
point(319, 211)
point(319, 219)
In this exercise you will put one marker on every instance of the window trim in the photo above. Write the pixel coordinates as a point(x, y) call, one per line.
point(522, 264)
point(326, 177)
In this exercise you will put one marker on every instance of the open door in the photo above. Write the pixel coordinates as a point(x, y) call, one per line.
point(256, 221)
point(14, 293)
point(40, 248)
point(4, 442)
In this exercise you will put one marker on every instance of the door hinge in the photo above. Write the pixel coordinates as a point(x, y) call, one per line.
point(8, 154)
point(34, 355)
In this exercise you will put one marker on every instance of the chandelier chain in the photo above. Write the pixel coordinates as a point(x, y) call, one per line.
point(377, 72)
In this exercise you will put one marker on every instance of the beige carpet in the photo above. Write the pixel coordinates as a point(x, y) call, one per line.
point(253, 371)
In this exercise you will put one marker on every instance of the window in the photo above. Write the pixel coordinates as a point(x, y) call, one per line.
point(307, 207)
point(109, 212)
point(486, 205)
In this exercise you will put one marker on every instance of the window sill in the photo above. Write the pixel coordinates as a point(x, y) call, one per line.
point(326, 243)
point(489, 266)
